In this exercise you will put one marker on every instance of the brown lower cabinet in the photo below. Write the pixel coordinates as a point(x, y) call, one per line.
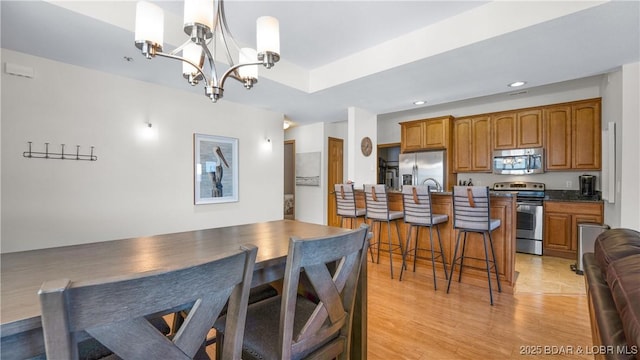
point(502, 207)
point(561, 219)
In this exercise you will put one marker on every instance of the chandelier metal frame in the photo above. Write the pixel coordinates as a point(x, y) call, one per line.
point(205, 37)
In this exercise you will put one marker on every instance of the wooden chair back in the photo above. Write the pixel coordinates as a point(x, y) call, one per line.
point(114, 311)
point(332, 265)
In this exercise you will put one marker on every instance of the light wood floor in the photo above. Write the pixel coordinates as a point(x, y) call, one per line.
point(547, 275)
point(409, 320)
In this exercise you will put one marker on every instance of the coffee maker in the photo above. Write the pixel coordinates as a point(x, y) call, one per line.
point(587, 185)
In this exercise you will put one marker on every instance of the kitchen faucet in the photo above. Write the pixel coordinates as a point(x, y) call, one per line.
point(438, 186)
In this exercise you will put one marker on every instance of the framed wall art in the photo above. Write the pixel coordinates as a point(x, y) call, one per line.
point(308, 169)
point(215, 169)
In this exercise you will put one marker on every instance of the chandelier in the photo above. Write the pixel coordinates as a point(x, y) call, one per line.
point(206, 25)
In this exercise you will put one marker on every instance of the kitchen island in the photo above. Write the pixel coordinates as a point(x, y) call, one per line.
point(503, 207)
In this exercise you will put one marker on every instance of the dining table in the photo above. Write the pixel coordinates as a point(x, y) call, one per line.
point(24, 272)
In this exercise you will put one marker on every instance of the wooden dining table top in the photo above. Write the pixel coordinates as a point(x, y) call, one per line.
point(24, 272)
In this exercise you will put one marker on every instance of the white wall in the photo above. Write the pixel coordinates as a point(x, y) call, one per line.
point(612, 111)
point(311, 200)
point(138, 186)
point(362, 169)
point(630, 199)
point(620, 104)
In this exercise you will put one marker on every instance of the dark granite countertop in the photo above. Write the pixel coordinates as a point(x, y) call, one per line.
point(550, 195)
point(449, 193)
point(570, 195)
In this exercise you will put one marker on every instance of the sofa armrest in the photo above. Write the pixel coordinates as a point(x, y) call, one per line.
point(606, 325)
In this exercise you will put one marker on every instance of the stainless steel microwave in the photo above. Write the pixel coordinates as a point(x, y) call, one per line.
point(518, 161)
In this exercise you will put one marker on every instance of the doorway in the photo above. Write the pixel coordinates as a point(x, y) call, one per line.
point(290, 179)
point(335, 175)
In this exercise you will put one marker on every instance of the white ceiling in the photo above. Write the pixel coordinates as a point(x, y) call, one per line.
point(376, 55)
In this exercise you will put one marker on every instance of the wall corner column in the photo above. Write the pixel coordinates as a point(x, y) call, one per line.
point(361, 169)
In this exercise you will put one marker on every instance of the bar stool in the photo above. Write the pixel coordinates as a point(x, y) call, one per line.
point(346, 204)
point(377, 210)
point(416, 201)
point(472, 214)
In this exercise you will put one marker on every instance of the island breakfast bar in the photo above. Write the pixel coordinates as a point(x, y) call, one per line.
point(503, 207)
point(24, 272)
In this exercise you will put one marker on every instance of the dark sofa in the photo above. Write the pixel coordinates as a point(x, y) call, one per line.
point(612, 278)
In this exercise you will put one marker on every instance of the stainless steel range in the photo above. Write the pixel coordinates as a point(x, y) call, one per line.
point(529, 214)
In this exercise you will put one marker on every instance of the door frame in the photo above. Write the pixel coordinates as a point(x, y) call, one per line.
point(292, 178)
point(332, 177)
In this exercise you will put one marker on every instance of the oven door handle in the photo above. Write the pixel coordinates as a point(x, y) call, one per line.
point(530, 203)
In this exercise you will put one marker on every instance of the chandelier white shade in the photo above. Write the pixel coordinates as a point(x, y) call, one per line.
point(193, 53)
point(199, 12)
point(205, 24)
point(268, 38)
point(149, 23)
point(248, 56)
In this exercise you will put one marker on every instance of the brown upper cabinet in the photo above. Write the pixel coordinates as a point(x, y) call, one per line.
point(573, 136)
point(427, 134)
point(570, 133)
point(517, 129)
point(472, 144)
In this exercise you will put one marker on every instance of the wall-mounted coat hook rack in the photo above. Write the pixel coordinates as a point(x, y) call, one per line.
point(59, 156)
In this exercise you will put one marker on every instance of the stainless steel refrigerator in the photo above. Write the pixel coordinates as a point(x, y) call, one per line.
point(423, 168)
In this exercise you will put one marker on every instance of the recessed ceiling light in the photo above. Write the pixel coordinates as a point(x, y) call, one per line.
point(517, 83)
point(419, 102)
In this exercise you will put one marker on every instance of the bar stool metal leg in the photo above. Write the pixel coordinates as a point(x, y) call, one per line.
point(406, 251)
point(495, 263)
point(378, 247)
point(444, 261)
point(486, 258)
point(399, 240)
point(415, 249)
point(453, 264)
point(390, 247)
point(464, 246)
point(433, 258)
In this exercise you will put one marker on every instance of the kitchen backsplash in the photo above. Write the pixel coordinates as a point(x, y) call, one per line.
point(553, 180)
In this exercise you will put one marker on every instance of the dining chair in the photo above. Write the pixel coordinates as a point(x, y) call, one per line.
point(346, 204)
point(291, 326)
point(114, 311)
point(418, 213)
point(256, 294)
point(377, 205)
point(472, 214)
